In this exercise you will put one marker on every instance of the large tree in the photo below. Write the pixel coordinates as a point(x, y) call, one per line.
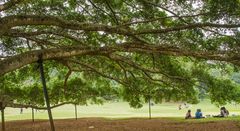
point(155, 49)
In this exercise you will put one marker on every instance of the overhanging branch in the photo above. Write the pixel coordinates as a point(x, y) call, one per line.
point(15, 62)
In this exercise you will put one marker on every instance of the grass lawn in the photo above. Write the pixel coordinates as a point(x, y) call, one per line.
point(121, 110)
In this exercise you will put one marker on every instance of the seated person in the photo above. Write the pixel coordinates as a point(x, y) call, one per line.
point(198, 114)
point(188, 115)
point(223, 112)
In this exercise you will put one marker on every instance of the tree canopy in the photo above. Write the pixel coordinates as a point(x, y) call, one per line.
point(136, 49)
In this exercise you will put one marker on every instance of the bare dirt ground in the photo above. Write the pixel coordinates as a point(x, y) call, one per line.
point(98, 124)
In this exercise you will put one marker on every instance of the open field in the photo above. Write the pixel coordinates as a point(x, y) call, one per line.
point(119, 110)
point(118, 116)
point(132, 124)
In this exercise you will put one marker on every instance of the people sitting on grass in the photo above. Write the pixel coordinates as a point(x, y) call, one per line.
point(180, 107)
point(188, 115)
point(198, 114)
point(184, 105)
point(223, 112)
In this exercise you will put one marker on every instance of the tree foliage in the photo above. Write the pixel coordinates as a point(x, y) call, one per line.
point(137, 49)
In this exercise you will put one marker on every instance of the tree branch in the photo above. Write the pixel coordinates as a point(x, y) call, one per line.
point(181, 18)
point(185, 27)
point(20, 33)
point(95, 6)
point(114, 15)
point(17, 61)
point(94, 69)
point(9, 4)
point(15, 105)
point(42, 42)
point(143, 69)
point(21, 20)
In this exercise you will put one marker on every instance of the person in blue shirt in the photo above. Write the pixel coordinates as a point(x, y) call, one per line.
point(198, 114)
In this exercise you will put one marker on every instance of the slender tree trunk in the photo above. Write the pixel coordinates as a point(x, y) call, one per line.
point(149, 108)
point(32, 115)
point(3, 119)
point(46, 93)
point(75, 111)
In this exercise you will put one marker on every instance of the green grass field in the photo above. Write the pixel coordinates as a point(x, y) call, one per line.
point(121, 110)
